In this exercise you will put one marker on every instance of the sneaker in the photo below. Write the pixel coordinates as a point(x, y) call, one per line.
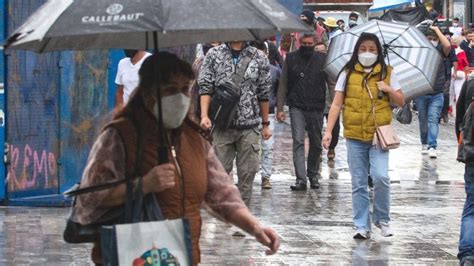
point(362, 234)
point(468, 261)
point(424, 149)
point(331, 155)
point(266, 183)
point(385, 230)
point(432, 153)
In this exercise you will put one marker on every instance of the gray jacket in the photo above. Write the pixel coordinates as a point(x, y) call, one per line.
point(218, 68)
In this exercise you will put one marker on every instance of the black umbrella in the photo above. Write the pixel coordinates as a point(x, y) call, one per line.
point(99, 24)
point(145, 24)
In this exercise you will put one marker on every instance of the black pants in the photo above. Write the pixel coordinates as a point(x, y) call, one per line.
point(335, 133)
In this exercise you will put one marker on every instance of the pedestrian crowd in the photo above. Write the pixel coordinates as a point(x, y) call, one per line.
point(273, 81)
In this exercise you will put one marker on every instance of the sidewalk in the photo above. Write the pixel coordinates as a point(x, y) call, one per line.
point(315, 226)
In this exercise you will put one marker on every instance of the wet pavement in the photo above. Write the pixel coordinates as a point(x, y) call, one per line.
point(315, 225)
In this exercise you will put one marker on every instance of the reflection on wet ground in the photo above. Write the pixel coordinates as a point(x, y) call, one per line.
point(315, 225)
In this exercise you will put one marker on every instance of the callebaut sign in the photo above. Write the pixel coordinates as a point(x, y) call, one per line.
point(113, 15)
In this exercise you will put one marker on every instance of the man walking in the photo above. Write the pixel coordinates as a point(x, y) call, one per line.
point(303, 84)
point(430, 106)
point(468, 46)
point(241, 140)
point(127, 75)
point(466, 240)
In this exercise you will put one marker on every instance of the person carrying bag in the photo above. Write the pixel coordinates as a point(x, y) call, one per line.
point(224, 103)
point(139, 185)
point(367, 116)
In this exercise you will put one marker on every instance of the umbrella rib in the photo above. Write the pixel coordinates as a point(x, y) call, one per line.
point(400, 35)
point(381, 34)
point(400, 46)
point(401, 57)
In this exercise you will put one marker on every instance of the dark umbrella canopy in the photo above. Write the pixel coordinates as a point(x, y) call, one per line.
point(408, 51)
point(93, 24)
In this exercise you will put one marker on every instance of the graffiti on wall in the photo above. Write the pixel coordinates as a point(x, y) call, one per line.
point(30, 168)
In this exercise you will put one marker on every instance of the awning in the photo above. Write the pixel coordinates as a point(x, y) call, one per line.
point(380, 5)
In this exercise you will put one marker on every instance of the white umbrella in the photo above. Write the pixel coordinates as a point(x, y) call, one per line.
point(406, 49)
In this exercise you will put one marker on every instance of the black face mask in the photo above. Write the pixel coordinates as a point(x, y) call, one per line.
point(306, 51)
point(130, 53)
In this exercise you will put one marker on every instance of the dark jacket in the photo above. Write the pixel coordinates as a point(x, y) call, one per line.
point(303, 82)
point(469, 52)
point(442, 74)
point(465, 97)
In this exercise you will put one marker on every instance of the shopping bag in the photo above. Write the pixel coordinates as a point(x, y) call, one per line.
point(165, 242)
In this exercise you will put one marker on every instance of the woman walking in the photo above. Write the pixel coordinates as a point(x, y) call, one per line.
point(366, 71)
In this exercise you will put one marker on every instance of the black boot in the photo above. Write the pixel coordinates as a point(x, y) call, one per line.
point(314, 183)
point(298, 186)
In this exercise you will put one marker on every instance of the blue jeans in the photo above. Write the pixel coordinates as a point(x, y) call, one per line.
point(267, 150)
point(362, 157)
point(429, 112)
point(466, 241)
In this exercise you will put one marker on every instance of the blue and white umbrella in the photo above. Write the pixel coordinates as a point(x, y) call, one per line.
point(406, 49)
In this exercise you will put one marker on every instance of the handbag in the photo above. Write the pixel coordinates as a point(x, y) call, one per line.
point(76, 233)
point(403, 114)
point(224, 103)
point(384, 136)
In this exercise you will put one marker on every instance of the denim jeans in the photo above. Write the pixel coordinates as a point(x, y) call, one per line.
point(302, 121)
point(362, 158)
point(466, 241)
point(267, 150)
point(429, 112)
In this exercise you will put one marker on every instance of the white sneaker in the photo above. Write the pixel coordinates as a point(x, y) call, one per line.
point(385, 230)
point(432, 153)
point(424, 149)
point(361, 234)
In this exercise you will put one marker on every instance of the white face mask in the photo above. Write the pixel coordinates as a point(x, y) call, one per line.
point(175, 108)
point(367, 59)
point(435, 43)
point(455, 24)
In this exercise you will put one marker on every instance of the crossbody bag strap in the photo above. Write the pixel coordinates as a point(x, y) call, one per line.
point(372, 99)
point(239, 74)
point(133, 198)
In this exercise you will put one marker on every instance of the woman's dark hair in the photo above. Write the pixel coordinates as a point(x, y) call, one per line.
point(350, 66)
point(166, 65)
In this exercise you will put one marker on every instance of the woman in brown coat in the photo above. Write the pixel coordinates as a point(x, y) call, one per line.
point(194, 175)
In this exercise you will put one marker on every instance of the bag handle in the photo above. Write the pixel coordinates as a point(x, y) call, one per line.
point(372, 99)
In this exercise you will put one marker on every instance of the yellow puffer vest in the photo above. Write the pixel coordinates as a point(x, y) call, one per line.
point(357, 115)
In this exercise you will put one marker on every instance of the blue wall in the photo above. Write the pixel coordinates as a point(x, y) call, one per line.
point(295, 6)
point(3, 29)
